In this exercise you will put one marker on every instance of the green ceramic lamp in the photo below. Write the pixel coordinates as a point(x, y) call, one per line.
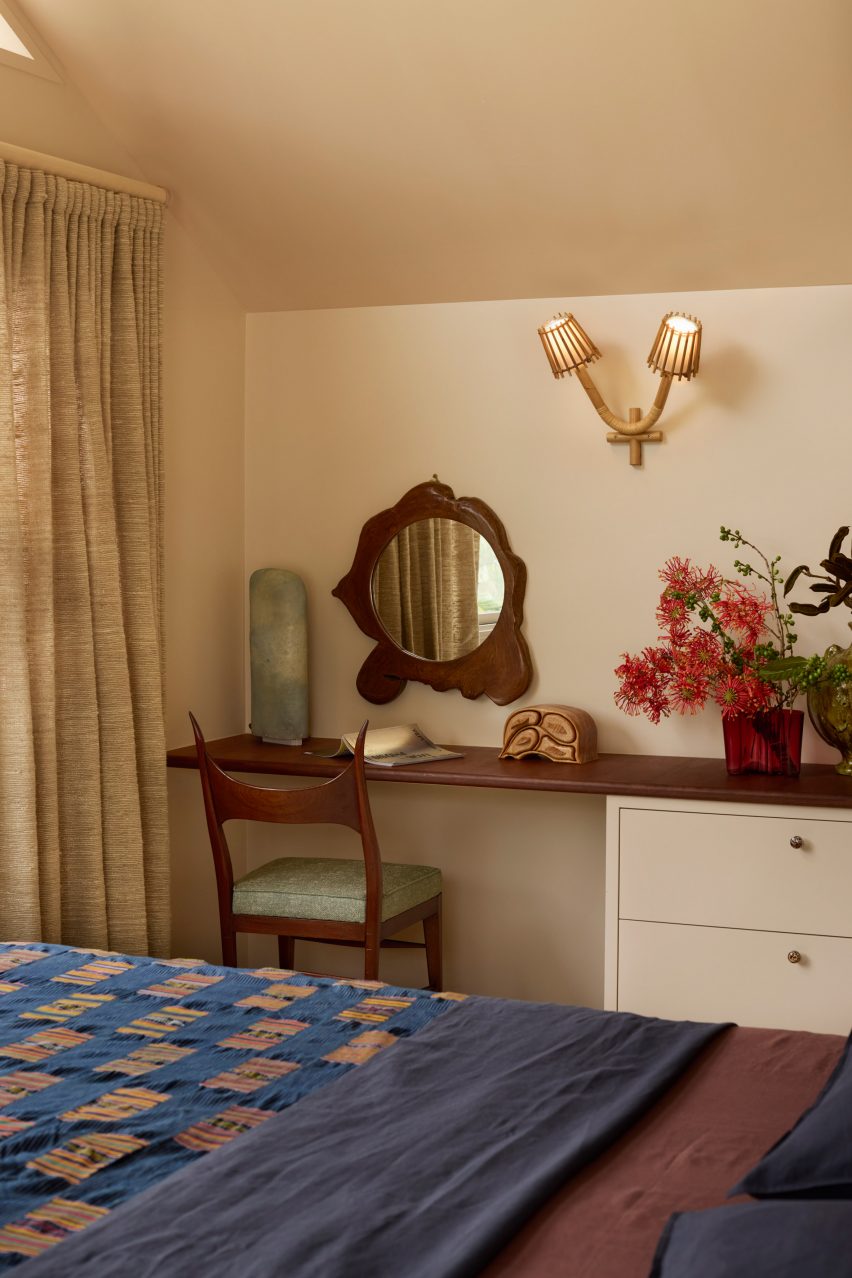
point(278, 636)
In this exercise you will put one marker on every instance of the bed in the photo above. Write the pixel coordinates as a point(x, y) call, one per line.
point(174, 1117)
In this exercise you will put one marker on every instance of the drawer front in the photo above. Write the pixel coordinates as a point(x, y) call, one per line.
point(736, 870)
point(721, 974)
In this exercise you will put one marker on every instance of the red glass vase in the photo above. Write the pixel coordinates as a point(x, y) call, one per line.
point(768, 742)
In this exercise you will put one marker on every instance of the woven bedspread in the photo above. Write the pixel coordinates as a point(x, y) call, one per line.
point(116, 1071)
point(427, 1159)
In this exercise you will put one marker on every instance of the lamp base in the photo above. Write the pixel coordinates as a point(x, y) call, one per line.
point(635, 442)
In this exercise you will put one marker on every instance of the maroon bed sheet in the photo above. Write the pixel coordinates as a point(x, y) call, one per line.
point(745, 1091)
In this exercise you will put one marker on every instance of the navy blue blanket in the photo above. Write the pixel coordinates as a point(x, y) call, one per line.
point(426, 1160)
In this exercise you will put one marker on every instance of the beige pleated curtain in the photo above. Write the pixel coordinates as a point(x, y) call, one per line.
point(83, 832)
point(425, 589)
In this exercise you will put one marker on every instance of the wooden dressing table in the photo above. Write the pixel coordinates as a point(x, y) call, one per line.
point(726, 897)
point(645, 775)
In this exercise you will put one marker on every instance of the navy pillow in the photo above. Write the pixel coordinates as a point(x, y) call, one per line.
point(814, 1159)
point(758, 1240)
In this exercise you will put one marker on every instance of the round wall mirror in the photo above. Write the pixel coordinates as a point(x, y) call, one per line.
point(435, 583)
point(437, 589)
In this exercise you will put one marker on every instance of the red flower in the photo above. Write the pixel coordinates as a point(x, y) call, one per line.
point(711, 630)
point(732, 695)
point(761, 695)
point(688, 692)
point(704, 653)
point(684, 576)
point(742, 611)
point(673, 615)
point(643, 683)
point(677, 573)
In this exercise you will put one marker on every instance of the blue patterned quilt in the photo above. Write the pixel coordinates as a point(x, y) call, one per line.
point(116, 1071)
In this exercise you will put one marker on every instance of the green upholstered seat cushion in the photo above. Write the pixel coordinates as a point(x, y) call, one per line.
point(299, 887)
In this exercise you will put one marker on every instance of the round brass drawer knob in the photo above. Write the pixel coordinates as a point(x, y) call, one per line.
point(794, 957)
point(797, 841)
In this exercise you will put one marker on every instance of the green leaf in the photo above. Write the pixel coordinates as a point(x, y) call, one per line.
point(782, 668)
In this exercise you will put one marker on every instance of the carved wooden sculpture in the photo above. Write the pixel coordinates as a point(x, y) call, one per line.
point(561, 733)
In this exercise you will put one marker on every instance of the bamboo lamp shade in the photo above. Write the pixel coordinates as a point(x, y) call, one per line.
point(566, 344)
point(677, 346)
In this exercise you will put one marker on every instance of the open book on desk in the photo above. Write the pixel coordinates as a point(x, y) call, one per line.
point(391, 747)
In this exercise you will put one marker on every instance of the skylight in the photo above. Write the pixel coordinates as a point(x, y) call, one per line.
point(21, 48)
point(11, 41)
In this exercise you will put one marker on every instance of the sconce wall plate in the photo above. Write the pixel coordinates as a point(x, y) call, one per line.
point(675, 354)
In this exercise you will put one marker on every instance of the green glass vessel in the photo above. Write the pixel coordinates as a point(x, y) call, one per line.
point(830, 707)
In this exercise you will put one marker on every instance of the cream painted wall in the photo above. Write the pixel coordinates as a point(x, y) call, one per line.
point(203, 370)
point(347, 409)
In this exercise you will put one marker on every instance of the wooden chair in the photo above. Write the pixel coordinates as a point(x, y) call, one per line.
point(362, 902)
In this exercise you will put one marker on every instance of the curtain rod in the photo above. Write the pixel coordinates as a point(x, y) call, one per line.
point(82, 173)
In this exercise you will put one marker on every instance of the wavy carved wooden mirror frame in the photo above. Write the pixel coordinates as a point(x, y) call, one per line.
point(500, 667)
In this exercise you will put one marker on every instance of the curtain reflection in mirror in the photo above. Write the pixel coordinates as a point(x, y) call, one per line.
point(425, 589)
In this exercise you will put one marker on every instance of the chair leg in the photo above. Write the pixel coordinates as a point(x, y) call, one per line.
point(287, 952)
point(372, 950)
point(432, 937)
point(229, 948)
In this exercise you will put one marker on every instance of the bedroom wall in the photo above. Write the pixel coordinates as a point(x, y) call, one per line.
point(346, 409)
point(203, 371)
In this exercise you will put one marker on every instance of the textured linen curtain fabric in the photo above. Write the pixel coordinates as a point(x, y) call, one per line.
point(425, 589)
point(83, 834)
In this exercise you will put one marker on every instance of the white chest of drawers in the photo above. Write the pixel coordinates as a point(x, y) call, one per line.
point(720, 911)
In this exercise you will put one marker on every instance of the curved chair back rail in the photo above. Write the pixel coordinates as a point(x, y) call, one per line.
point(343, 800)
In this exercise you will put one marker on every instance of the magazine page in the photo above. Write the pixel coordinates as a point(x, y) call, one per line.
point(393, 747)
point(390, 747)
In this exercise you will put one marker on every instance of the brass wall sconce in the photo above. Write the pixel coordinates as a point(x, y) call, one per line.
point(675, 353)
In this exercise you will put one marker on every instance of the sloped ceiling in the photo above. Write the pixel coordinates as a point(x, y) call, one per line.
point(369, 152)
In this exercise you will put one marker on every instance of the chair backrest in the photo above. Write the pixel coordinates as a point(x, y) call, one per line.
point(341, 801)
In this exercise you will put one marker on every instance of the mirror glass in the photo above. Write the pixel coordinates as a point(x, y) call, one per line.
point(437, 589)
